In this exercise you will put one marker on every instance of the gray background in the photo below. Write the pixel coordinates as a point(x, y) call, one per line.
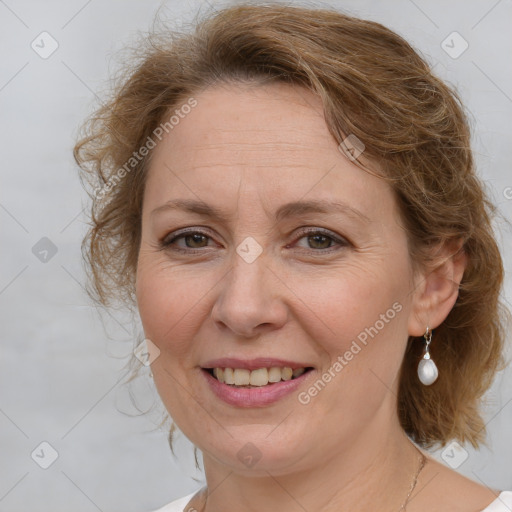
point(63, 364)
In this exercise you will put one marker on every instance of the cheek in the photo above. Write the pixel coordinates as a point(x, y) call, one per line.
point(167, 304)
point(350, 299)
point(362, 328)
point(359, 313)
point(166, 300)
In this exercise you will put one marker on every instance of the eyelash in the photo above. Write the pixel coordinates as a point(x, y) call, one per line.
point(166, 243)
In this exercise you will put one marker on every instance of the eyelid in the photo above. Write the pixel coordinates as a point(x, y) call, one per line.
point(340, 240)
point(169, 238)
point(180, 233)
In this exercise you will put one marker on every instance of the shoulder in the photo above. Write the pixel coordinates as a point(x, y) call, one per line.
point(177, 505)
point(503, 503)
point(450, 490)
point(467, 495)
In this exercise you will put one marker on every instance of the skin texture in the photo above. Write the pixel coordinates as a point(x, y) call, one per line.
point(248, 149)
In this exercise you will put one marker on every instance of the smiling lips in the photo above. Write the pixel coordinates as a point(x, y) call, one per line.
point(256, 378)
point(254, 396)
point(254, 383)
point(255, 372)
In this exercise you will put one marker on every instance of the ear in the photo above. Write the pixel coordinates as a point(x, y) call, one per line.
point(436, 288)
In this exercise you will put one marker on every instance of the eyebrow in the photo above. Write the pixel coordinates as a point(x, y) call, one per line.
point(295, 208)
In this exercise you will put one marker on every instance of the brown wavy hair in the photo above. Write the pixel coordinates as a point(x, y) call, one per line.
point(373, 85)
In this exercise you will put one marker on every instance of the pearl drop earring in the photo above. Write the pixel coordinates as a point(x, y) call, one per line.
point(427, 369)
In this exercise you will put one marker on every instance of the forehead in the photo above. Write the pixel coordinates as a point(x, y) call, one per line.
point(272, 140)
point(274, 119)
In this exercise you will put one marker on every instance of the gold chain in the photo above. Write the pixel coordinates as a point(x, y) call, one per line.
point(423, 461)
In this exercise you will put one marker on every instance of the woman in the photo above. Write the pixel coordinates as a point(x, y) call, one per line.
point(289, 198)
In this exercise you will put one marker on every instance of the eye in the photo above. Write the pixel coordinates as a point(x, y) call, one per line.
point(317, 240)
point(321, 240)
point(193, 239)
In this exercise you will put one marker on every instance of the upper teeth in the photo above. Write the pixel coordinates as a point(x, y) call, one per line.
point(259, 377)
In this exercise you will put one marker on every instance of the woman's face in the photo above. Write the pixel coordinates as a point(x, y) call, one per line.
point(270, 283)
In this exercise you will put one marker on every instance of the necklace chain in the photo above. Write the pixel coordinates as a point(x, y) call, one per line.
point(423, 461)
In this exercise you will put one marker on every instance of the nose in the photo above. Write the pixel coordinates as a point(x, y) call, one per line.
point(250, 300)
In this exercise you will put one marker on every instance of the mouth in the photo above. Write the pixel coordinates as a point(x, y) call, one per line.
point(257, 378)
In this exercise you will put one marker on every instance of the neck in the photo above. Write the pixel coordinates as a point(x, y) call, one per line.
point(377, 467)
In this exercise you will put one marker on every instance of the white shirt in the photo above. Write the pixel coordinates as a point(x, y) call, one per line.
point(503, 503)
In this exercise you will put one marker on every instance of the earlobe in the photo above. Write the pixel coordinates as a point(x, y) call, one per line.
point(437, 288)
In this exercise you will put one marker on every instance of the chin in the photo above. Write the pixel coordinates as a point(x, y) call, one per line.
point(252, 451)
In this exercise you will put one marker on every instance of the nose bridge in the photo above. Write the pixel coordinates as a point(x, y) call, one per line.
point(248, 298)
point(245, 282)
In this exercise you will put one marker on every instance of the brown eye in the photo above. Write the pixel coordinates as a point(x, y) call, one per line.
point(321, 240)
point(193, 240)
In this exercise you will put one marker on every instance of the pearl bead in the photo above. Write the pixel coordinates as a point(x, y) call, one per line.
point(427, 372)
